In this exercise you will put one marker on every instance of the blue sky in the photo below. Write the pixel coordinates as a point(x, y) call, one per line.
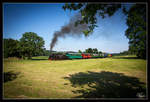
point(46, 18)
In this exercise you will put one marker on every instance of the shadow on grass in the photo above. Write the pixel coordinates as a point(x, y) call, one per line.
point(10, 76)
point(106, 85)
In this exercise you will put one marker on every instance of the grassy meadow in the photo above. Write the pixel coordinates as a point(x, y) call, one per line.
point(114, 77)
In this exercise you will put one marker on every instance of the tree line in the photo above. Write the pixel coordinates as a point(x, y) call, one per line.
point(91, 50)
point(29, 45)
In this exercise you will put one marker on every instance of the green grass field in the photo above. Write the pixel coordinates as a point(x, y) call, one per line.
point(116, 77)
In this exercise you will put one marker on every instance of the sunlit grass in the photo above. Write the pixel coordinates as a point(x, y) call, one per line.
point(45, 79)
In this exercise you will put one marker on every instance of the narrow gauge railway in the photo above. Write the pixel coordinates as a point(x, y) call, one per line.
point(63, 56)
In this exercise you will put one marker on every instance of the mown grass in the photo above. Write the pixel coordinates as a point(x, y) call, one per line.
point(41, 78)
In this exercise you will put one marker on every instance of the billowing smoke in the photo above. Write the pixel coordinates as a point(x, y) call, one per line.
point(69, 30)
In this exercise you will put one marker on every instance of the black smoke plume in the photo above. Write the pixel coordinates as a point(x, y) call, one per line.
point(69, 30)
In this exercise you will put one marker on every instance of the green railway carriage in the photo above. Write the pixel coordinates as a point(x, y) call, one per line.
point(74, 55)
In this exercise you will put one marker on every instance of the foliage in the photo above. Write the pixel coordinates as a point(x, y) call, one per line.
point(11, 48)
point(46, 52)
point(136, 32)
point(95, 50)
point(126, 53)
point(80, 51)
point(89, 12)
point(100, 52)
point(90, 50)
point(31, 44)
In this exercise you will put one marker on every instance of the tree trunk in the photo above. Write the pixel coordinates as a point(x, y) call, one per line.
point(30, 55)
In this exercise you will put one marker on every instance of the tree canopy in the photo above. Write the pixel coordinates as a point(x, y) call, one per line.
point(90, 11)
point(31, 44)
point(11, 48)
point(136, 31)
point(90, 50)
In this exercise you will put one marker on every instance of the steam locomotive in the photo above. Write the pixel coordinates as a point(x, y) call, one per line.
point(63, 56)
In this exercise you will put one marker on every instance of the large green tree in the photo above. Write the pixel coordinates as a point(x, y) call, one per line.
point(136, 21)
point(11, 48)
point(31, 44)
point(136, 31)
